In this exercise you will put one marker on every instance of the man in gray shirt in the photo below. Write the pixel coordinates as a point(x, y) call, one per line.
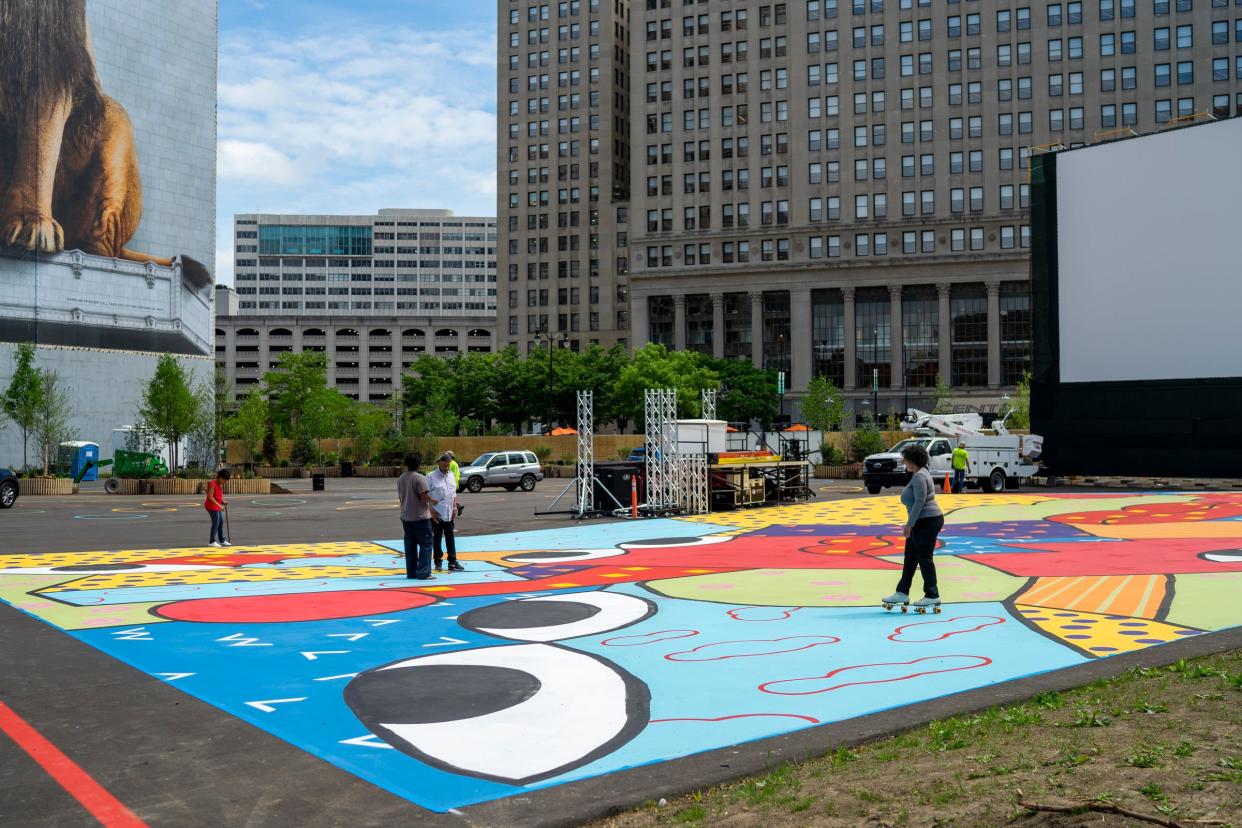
point(416, 503)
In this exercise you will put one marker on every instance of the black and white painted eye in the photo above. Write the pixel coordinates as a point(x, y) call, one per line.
point(564, 555)
point(558, 617)
point(101, 569)
point(676, 543)
point(514, 714)
point(1231, 556)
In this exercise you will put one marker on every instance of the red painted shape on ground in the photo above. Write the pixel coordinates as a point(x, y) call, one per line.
point(303, 606)
point(68, 774)
point(979, 661)
point(810, 719)
point(785, 615)
point(991, 621)
point(647, 638)
point(697, 654)
point(1170, 556)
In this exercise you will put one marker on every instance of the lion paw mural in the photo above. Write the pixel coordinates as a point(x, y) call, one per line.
point(579, 651)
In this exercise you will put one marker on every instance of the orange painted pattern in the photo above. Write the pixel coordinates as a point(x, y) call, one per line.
point(1138, 596)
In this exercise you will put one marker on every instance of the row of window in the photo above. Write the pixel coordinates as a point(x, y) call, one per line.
point(965, 329)
point(960, 239)
point(1058, 49)
point(458, 307)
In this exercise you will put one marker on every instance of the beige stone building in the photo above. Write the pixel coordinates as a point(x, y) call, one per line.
point(840, 187)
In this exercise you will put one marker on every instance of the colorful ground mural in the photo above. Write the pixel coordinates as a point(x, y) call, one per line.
point(579, 651)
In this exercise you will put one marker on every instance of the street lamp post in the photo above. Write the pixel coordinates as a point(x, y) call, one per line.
point(875, 385)
point(553, 339)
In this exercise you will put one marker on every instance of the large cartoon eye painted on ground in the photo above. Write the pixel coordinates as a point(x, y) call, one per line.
point(676, 543)
point(558, 617)
point(564, 555)
point(1226, 556)
point(101, 569)
point(513, 714)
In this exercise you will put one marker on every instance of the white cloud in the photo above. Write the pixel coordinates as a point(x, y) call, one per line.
point(255, 162)
point(353, 121)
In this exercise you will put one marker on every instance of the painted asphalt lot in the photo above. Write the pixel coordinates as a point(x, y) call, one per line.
point(612, 646)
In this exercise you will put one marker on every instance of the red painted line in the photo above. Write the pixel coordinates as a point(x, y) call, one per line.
point(94, 798)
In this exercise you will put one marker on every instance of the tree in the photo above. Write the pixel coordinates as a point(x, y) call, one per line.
point(942, 397)
point(1020, 405)
point(221, 393)
point(747, 394)
point(325, 413)
point(21, 399)
point(654, 366)
point(202, 441)
point(249, 423)
point(169, 406)
point(51, 422)
point(369, 424)
point(292, 385)
point(823, 407)
point(866, 440)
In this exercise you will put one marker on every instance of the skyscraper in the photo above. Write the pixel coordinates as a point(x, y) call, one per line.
point(563, 164)
point(841, 188)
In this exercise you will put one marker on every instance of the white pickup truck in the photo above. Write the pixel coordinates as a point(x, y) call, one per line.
point(997, 461)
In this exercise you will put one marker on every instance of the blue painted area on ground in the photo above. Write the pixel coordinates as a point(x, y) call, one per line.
point(583, 535)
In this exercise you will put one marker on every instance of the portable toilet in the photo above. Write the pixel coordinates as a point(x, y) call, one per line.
point(77, 453)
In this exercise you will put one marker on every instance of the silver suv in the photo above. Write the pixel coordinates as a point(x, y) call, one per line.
point(509, 469)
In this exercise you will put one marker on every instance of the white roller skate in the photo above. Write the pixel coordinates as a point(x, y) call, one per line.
point(896, 599)
point(922, 605)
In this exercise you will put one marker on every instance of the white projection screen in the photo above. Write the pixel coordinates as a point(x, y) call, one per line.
point(1149, 256)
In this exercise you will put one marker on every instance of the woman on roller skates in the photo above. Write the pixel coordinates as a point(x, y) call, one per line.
point(923, 525)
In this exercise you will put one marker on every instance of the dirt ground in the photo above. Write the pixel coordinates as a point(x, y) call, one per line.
point(1162, 742)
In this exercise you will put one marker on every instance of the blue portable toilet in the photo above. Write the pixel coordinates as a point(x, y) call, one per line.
point(79, 454)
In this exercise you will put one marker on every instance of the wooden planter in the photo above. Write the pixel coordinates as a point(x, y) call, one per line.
point(248, 486)
point(850, 472)
point(35, 486)
point(326, 471)
point(278, 471)
point(377, 471)
point(176, 486)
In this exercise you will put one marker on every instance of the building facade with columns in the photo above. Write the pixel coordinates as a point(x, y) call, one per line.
point(367, 355)
point(841, 188)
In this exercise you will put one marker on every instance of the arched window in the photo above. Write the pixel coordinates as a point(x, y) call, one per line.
point(447, 332)
point(478, 332)
point(347, 332)
point(247, 332)
point(280, 332)
point(413, 332)
point(381, 332)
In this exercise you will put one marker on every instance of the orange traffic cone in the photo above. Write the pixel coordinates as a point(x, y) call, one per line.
point(948, 488)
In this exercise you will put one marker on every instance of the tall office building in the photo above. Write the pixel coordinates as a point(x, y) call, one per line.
point(841, 188)
point(372, 292)
point(563, 172)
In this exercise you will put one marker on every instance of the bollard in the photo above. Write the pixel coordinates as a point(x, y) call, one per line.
point(634, 495)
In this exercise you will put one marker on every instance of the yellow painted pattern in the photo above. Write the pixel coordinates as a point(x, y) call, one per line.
point(870, 511)
point(224, 575)
point(289, 550)
point(1098, 634)
point(1139, 596)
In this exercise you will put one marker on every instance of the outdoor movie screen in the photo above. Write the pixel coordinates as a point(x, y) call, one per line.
point(1150, 277)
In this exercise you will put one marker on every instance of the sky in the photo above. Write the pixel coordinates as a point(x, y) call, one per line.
point(341, 106)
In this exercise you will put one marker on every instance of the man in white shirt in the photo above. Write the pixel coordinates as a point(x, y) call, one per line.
point(443, 488)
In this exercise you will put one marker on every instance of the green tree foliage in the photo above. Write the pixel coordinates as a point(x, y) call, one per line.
point(369, 424)
point(1020, 404)
point(654, 366)
point(867, 439)
point(293, 385)
point(249, 423)
point(170, 407)
point(21, 399)
point(941, 398)
point(204, 441)
point(326, 412)
point(51, 422)
point(747, 394)
point(823, 407)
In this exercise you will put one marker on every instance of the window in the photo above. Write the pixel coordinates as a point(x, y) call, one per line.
point(968, 325)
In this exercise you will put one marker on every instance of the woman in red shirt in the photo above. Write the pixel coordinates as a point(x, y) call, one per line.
point(214, 505)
